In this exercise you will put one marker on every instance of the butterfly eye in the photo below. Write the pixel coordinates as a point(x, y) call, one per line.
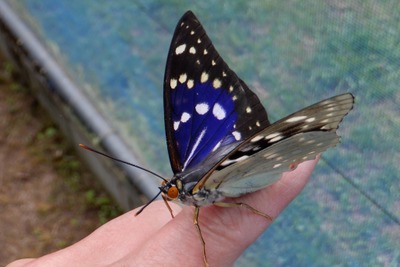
point(172, 192)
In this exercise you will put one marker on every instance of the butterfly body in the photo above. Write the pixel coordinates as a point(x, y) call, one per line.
point(185, 193)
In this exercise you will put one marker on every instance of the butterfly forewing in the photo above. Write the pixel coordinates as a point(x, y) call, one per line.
point(259, 160)
point(207, 107)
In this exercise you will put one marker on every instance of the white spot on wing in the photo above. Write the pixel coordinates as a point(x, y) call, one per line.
point(219, 111)
point(204, 77)
point(237, 135)
point(248, 109)
point(229, 161)
point(294, 119)
point(192, 50)
point(216, 83)
point(269, 156)
point(182, 78)
point(176, 125)
point(275, 139)
point(270, 136)
point(190, 84)
point(185, 117)
point(173, 83)
point(277, 165)
point(241, 158)
point(205, 52)
point(202, 108)
point(310, 119)
point(180, 49)
point(257, 138)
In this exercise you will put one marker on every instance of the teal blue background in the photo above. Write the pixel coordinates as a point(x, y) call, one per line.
point(292, 54)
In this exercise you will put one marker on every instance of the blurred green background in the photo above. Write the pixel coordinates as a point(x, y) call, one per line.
point(292, 54)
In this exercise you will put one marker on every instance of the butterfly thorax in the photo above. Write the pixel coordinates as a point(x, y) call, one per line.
point(177, 189)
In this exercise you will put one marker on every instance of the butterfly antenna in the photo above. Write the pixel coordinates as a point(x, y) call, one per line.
point(122, 161)
point(148, 203)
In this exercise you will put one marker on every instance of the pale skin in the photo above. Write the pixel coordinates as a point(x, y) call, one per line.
point(155, 239)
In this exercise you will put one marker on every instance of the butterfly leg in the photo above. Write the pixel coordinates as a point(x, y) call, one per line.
point(196, 223)
point(244, 205)
point(168, 206)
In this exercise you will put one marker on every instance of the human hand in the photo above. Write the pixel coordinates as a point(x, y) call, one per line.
point(155, 239)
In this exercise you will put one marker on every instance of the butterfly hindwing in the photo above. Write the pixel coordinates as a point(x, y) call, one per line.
point(207, 107)
point(301, 136)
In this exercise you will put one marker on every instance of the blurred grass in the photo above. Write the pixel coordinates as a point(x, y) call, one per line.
point(48, 199)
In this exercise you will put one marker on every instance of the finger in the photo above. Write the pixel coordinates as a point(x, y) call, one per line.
point(20, 263)
point(110, 242)
point(126, 233)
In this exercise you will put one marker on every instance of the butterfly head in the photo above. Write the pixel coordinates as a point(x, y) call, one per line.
point(179, 188)
point(171, 189)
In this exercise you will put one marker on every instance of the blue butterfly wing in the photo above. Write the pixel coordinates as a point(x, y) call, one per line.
point(208, 110)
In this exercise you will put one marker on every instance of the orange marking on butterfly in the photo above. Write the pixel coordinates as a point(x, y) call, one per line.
point(173, 192)
point(293, 166)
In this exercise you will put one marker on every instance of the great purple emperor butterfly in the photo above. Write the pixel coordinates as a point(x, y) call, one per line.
point(220, 141)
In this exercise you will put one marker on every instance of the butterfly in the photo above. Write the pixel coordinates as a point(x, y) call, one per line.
point(220, 141)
